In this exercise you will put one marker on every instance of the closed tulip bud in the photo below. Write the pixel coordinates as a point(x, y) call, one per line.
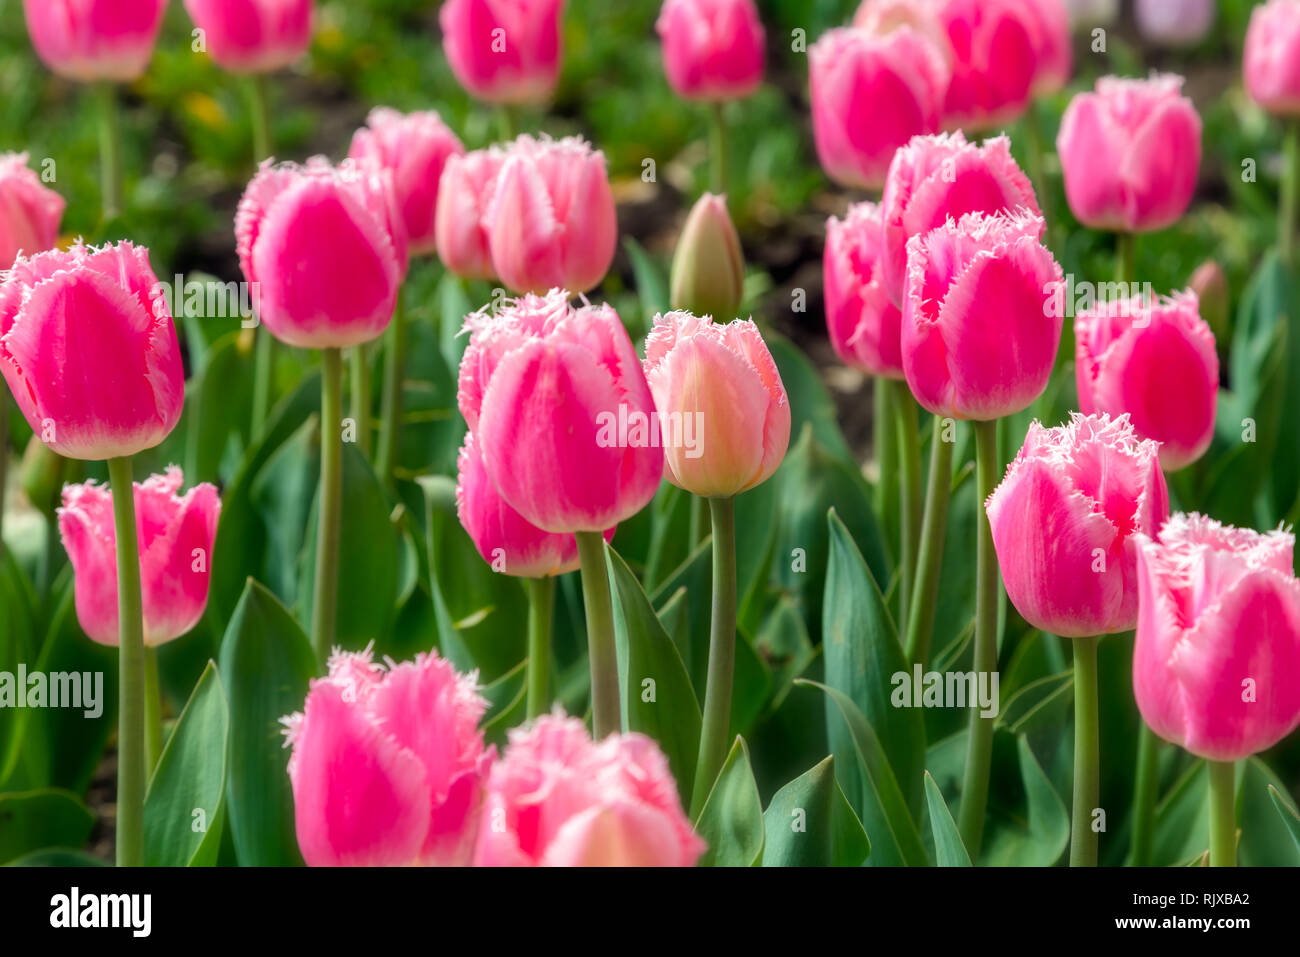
point(864, 325)
point(712, 49)
point(560, 408)
point(979, 337)
point(724, 412)
point(1271, 63)
point(936, 178)
point(93, 40)
point(1064, 521)
point(388, 764)
point(89, 351)
point(995, 63)
point(175, 532)
point(326, 249)
point(1218, 638)
point(1157, 362)
point(1174, 23)
point(253, 36)
point(30, 211)
point(1130, 153)
point(559, 800)
point(41, 477)
point(708, 275)
point(503, 51)
point(1211, 288)
point(460, 227)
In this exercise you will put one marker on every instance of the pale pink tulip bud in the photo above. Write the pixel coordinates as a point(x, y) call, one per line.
point(464, 192)
point(30, 211)
point(1271, 64)
point(1092, 13)
point(1174, 23)
point(93, 40)
point(253, 36)
point(558, 800)
point(1063, 522)
point(713, 49)
point(864, 325)
point(1218, 637)
point(503, 51)
point(175, 532)
point(1130, 153)
point(1157, 362)
point(1210, 284)
point(995, 61)
point(708, 274)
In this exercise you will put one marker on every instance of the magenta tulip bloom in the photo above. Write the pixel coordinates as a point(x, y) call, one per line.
point(93, 40)
point(1049, 23)
point(326, 248)
point(388, 764)
point(503, 51)
point(414, 148)
point(1218, 638)
point(558, 800)
point(713, 49)
point(253, 36)
point(937, 178)
point(724, 415)
point(995, 50)
point(1174, 23)
point(1271, 64)
point(864, 325)
point(1157, 362)
point(30, 211)
point(89, 351)
point(175, 532)
point(1130, 153)
point(979, 339)
point(460, 228)
point(1064, 521)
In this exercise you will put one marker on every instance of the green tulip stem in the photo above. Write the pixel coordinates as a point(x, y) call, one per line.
point(541, 610)
point(716, 725)
point(390, 411)
point(717, 149)
point(925, 588)
point(1087, 754)
point(362, 395)
point(110, 152)
point(606, 714)
point(884, 437)
point(1286, 209)
point(325, 591)
point(1223, 813)
point(265, 345)
point(4, 465)
point(1125, 257)
point(152, 711)
point(1144, 797)
point(909, 481)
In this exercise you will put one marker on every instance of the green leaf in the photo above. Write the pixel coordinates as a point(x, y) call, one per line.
point(809, 823)
point(57, 857)
point(732, 818)
point(219, 406)
point(1266, 839)
point(1040, 837)
point(810, 403)
point(949, 850)
point(1290, 819)
point(50, 817)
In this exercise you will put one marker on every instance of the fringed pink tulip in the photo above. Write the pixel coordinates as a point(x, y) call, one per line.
point(1063, 523)
point(712, 49)
point(503, 51)
point(1271, 63)
point(464, 192)
point(89, 351)
point(723, 412)
point(937, 178)
point(995, 50)
point(414, 148)
point(561, 411)
point(1157, 362)
point(979, 337)
point(94, 40)
point(326, 248)
point(253, 36)
point(30, 212)
point(175, 532)
point(1218, 638)
point(864, 325)
point(1130, 153)
point(558, 800)
point(388, 764)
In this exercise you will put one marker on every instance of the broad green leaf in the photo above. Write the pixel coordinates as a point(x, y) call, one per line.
point(809, 823)
point(57, 857)
point(1290, 819)
point(49, 817)
point(219, 407)
point(1266, 839)
point(731, 820)
point(810, 403)
point(949, 851)
point(1039, 838)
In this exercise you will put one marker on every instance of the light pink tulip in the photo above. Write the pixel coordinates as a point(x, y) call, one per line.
point(414, 148)
point(503, 51)
point(388, 764)
point(253, 36)
point(464, 192)
point(1157, 362)
point(175, 532)
point(563, 801)
point(89, 351)
point(864, 325)
point(30, 211)
point(1271, 63)
point(937, 178)
point(725, 417)
point(712, 49)
point(1174, 23)
point(995, 47)
point(327, 249)
point(979, 337)
point(1063, 523)
point(1049, 23)
point(93, 40)
point(1218, 638)
point(1130, 153)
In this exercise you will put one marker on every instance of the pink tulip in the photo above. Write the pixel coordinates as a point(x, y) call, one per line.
point(1271, 64)
point(1049, 22)
point(1218, 638)
point(30, 211)
point(388, 764)
point(713, 49)
point(725, 417)
point(175, 532)
point(89, 351)
point(1063, 523)
point(460, 230)
point(979, 337)
point(326, 249)
point(936, 178)
point(871, 93)
point(1175, 23)
point(551, 220)
point(996, 47)
point(1157, 362)
point(559, 406)
point(503, 51)
point(1130, 153)
point(92, 40)
point(414, 148)
point(558, 800)
point(864, 325)
point(253, 36)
